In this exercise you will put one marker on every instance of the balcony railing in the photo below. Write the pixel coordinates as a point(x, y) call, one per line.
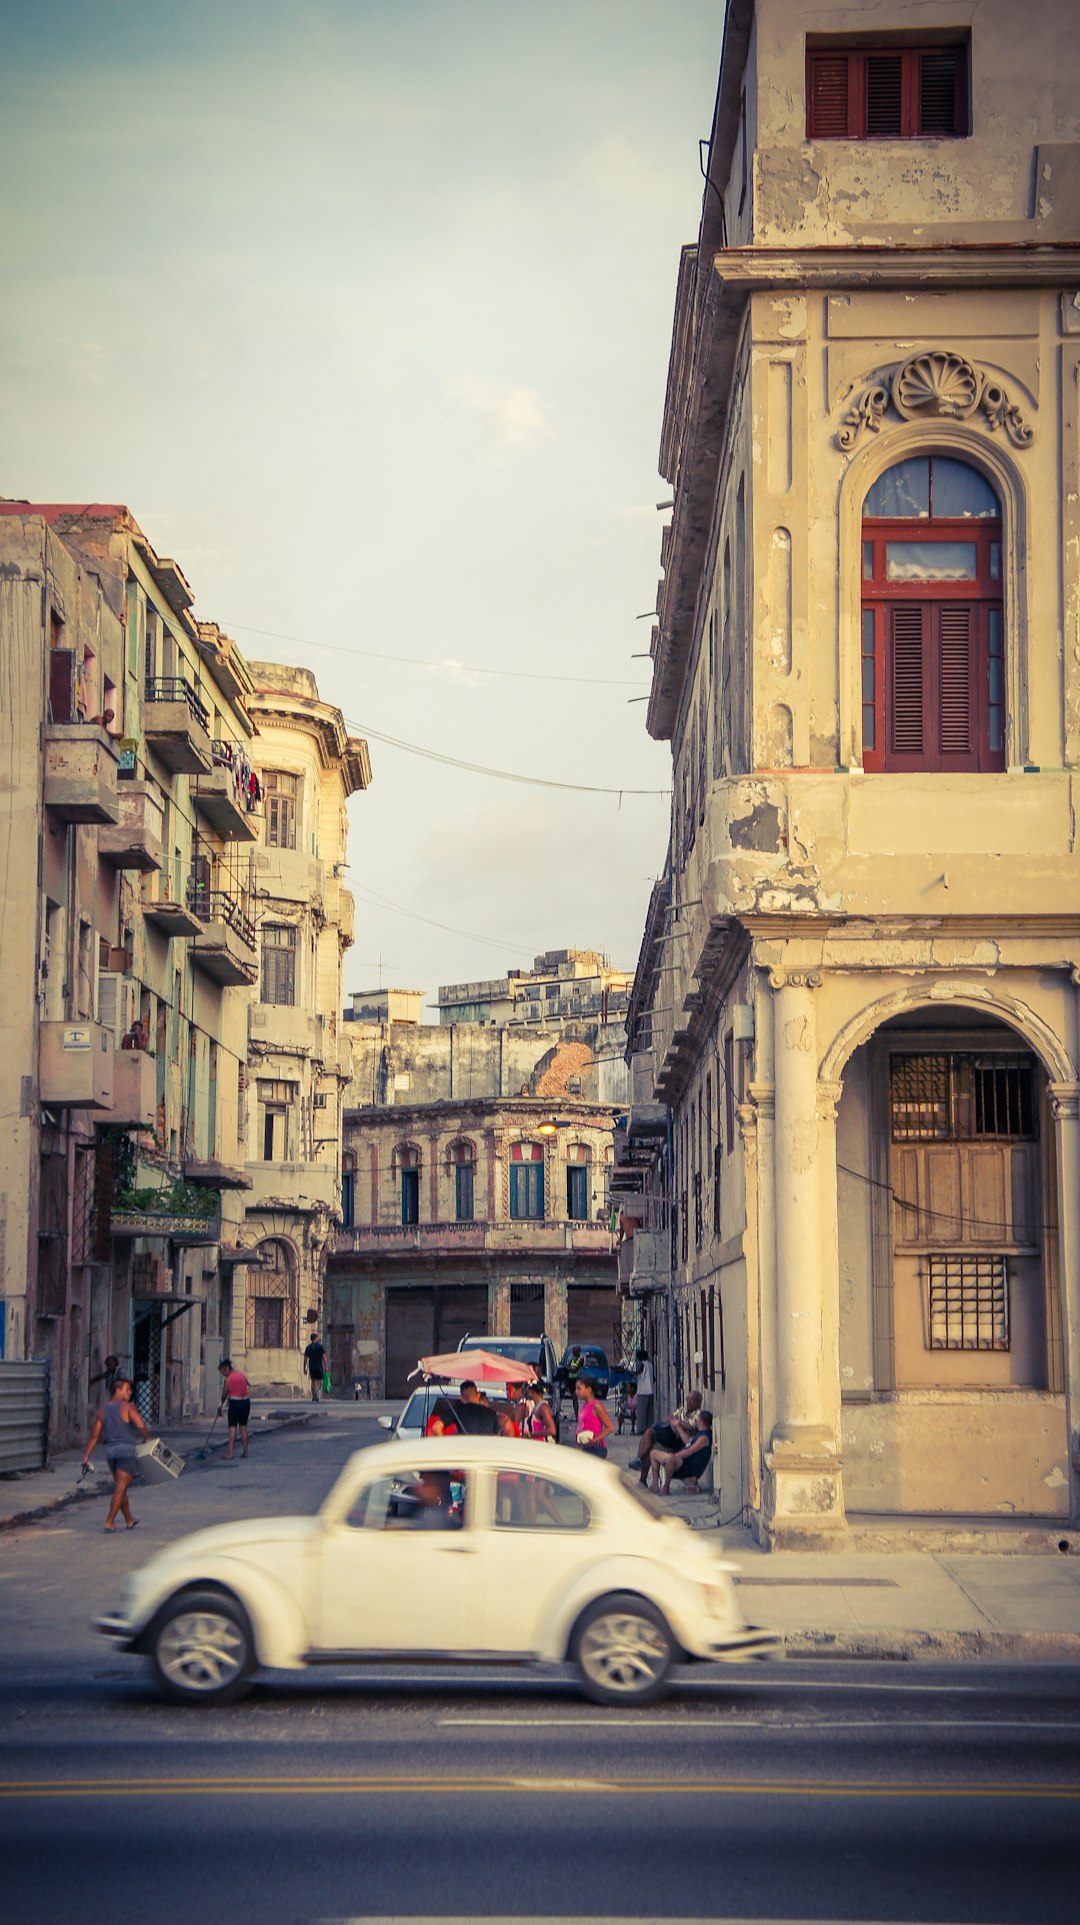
point(215, 905)
point(173, 688)
point(228, 755)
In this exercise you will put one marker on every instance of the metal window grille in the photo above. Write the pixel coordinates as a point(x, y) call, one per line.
point(273, 1315)
point(959, 1098)
point(968, 1303)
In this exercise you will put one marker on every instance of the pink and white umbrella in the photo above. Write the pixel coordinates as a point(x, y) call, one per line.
point(478, 1367)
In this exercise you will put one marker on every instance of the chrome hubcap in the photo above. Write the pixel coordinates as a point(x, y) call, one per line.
point(201, 1651)
point(623, 1652)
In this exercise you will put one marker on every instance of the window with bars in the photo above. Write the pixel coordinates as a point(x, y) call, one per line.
point(961, 1098)
point(887, 93)
point(273, 1313)
point(278, 964)
point(933, 654)
point(967, 1303)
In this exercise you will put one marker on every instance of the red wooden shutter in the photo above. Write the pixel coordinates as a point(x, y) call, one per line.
point(828, 116)
point(884, 95)
point(957, 719)
point(940, 97)
point(907, 679)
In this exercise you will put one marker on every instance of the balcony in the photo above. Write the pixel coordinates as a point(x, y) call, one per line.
point(285, 1027)
point(224, 948)
point(404, 1242)
point(134, 1098)
point(645, 1262)
point(176, 726)
point(224, 796)
point(214, 1175)
point(135, 842)
point(166, 913)
point(188, 1229)
point(75, 1066)
point(300, 1187)
point(79, 783)
point(346, 918)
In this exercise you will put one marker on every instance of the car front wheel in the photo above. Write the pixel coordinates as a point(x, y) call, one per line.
point(203, 1650)
point(622, 1651)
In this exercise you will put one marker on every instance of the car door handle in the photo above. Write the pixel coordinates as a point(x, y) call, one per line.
point(457, 1550)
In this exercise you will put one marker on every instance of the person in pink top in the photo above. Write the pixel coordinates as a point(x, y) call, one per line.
point(594, 1426)
point(235, 1390)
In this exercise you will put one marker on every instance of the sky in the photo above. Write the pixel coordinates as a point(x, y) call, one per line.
point(363, 308)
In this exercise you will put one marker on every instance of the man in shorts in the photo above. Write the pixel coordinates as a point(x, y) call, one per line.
point(236, 1391)
point(674, 1435)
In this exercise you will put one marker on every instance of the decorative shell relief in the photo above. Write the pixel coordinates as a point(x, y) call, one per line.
point(937, 384)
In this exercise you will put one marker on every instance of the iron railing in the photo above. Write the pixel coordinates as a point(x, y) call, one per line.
point(215, 905)
point(173, 688)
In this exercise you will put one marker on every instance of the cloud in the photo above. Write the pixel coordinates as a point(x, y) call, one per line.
point(512, 413)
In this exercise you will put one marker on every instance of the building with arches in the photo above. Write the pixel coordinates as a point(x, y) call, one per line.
point(854, 1028)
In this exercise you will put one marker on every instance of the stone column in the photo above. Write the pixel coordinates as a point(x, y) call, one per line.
point(1065, 1105)
point(803, 1497)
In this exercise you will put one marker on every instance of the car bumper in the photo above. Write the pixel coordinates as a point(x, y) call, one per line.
point(749, 1643)
point(118, 1628)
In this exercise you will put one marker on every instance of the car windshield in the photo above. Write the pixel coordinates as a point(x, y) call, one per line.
point(523, 1350)
point(418, 1408)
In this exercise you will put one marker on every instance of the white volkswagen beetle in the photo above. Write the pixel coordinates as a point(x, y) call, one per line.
point(450, 1548)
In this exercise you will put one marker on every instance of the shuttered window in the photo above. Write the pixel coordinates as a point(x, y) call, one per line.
point(932, 654)
point(886, 93)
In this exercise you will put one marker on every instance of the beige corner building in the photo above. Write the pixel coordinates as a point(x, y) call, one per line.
point(854, 1029)
point(308, 767)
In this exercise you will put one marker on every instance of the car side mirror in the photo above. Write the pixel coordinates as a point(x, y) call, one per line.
point(386, 1423)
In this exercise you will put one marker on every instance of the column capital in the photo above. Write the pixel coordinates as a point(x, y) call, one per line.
point(795, 978)
point(828, 1096)
point(1065, 1102)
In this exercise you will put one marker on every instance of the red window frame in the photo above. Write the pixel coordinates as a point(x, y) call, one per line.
point(887, 92)
point(933, 654)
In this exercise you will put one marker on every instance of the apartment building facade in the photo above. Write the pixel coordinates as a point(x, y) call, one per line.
point(128, 956)
point(853, 1035)
point(477, 1157)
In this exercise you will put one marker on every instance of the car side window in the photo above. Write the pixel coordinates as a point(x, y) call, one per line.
point(412, 1500)
point(526, 1501)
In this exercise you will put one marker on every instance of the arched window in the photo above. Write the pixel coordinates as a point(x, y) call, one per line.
point(272, 1322)
point(527, 1180)
point(407, 1159)
point(933, 650)
point(577, 1182)
point(462, 1161)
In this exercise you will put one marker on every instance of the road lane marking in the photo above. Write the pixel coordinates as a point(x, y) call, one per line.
point(604, 1787)
point(721, 1726)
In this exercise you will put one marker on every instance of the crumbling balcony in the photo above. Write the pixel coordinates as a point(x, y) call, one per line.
point(79, 782)
point(224, 948)
point(134, 1098)
point(177, 726)
point(75, 1066)
point(135, 842)
point(166, 912)
point(224, 796)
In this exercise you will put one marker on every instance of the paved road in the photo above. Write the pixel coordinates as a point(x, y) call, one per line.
point(797, 1791)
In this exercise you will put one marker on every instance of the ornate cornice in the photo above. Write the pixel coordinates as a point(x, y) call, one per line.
point(938, 384)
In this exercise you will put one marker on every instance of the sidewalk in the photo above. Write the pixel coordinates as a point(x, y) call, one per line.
point(891, 1592)
point(900, 1592)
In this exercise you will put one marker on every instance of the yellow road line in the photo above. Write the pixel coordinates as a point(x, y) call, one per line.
point(321, 1787)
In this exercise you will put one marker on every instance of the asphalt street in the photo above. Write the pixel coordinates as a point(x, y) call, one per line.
point(792, 1790)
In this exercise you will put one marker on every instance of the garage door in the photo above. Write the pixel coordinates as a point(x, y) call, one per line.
point(422, 1319)
point(592, 1316)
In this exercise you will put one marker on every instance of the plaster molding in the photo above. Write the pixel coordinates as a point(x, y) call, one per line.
point(938, 384)
point(1049, 1048)
point(795, 978)
point(828, 1097)
point(1065, 1102)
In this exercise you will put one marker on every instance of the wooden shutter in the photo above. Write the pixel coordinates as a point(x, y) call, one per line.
point(957, 715)
point(827, 97)
point(907, 679)
point(940, 91)
point(884, 95)
point(61, 685)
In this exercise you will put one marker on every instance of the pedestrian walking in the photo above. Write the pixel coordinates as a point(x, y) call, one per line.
point(118, 1422)
point(643, 1415)
point(315, 1365)
point(236, 1392)
point(594, 1426)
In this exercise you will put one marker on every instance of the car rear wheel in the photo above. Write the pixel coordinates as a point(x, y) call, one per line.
point(622, 1651)
point(203, 1650)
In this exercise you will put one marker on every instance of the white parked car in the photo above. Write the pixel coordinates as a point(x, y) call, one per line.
point(451, 1547)
point(412, 1418)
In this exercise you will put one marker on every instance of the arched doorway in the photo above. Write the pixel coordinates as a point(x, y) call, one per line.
point(950, 1332)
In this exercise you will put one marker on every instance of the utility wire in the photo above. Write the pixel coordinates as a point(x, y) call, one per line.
point(421, 661)
point(501, 775)
point(398, 909)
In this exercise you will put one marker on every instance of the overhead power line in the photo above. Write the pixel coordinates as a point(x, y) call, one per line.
point(501, 775)
point(421, 661)
point(398, 909)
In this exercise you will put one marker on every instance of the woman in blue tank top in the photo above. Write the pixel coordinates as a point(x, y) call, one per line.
point(119, 1422)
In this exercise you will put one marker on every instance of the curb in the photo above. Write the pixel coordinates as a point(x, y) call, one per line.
point(960, 1647)
point(101, 1488)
